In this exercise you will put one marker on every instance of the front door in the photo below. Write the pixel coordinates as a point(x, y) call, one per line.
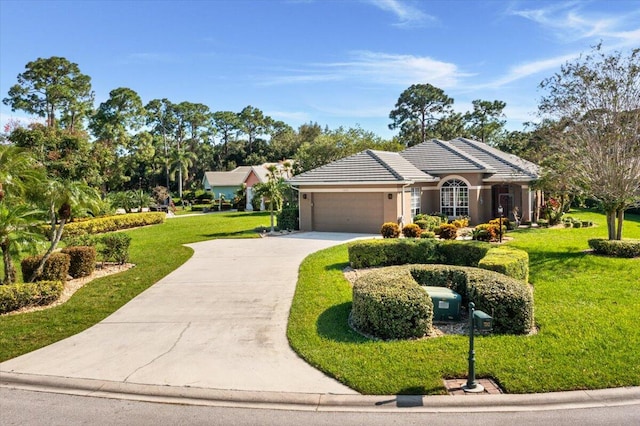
point(502, 197)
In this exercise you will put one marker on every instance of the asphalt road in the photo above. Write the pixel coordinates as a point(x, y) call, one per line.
point(18, 407)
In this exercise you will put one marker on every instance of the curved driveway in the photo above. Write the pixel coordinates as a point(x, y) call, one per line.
point(218, 321)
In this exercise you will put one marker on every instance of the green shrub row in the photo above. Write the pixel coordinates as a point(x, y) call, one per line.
point(101, 225)
point(389, 304)
point(508, 261)
point(508, 300)
point(20, 295)
point(82, 260)
point(56, 268)
point(387, 252)
point(616, 248)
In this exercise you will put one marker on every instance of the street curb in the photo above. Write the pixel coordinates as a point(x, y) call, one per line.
point(322, 402)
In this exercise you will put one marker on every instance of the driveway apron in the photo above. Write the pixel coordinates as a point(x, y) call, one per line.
point(218, 321)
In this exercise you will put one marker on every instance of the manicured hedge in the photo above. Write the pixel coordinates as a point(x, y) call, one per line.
point(56, 268)
point(616, 248)
point(389, 304)
point(101, 225)
point(387, 252)
point(508, 300)
point(508, 261)
point(82, 260)
point(40, 293)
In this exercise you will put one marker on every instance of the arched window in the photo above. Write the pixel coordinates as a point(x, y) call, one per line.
point(454, 198)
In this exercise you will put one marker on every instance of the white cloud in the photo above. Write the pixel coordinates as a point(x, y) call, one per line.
point(366, 67)
point(571, 21)
point(407, 14)
point(527, 69)
point(298, 116)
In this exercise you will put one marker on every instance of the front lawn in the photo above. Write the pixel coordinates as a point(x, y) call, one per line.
point(156, 250)
point(586, 308)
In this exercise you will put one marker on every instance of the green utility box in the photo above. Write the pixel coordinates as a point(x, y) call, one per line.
point(482, 321)
point(446, 303)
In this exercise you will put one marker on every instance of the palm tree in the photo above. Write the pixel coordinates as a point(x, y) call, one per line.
point(60, 196)
point(181, 161)
point(273, 190)
point(19, 171)
point(18, 232)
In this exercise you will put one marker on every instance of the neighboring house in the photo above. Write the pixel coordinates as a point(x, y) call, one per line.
point(228, 183)
point(460, 177)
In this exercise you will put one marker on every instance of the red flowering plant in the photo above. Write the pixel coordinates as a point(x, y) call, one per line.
point(552, 211)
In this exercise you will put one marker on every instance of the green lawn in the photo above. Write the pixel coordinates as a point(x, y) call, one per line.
point(156, 251)
point(587, 309)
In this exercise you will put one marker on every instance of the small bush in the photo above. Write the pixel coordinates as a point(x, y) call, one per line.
point(462, 253)
point(543, 223)
point(389, 304)
point(508, 261)
point(486, 232)
point(82, 240)
point(616, 248)
point(288, 218)
point(56, 268)
point(390, 230)
point(82, 260)
point(423, 224)
point(577, 224)
point(21, 295)
point(448, 232)
point(428, 234)
point(460, 223)
point(115, 248)
point(411, 231)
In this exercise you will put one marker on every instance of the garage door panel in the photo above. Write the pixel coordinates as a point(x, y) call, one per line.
point(348, 212)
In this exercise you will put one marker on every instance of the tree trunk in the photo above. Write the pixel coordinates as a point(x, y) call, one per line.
point(271, 209)
point(55, 239)
point(620, 222)
point(9, 269)
point(611, 224)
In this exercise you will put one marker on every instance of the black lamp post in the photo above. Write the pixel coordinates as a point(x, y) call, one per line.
point(500, 211)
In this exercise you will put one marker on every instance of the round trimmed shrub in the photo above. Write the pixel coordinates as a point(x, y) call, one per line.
point(56, 268)
point(390, 230)
point(428, 234)
point(82, 260)
point(422, 223)
point(411, 231)
point(389, 304)
point(616, 248)
point(448, 232)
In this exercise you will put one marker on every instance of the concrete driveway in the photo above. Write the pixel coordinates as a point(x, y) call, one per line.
point(219, 321)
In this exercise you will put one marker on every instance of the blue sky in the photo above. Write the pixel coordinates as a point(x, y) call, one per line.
point(337, 63)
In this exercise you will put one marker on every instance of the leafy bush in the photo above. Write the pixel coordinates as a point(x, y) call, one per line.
point(508, 261)
point(460, 223)
point(448, 232)
point(115, 248)
point(387, 252)
point(288, 218)
point(82, 240)
point(112, 223)
point(463, 253)
point(509, 301)
point(486, 232)
point(390, 230)
point(423, 224)
point(82, 260)
point(389, 304)
point(616, 248)
point(21, 295)
point(428, 234)
point(577, 224)
point(56, 268)
point(411, 231)
point(430, 222)
point(543, 223)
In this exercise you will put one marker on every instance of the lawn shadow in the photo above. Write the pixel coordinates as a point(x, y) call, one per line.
point(564, 259)
point(336, 266)
point(228, 234)
point(333, 324)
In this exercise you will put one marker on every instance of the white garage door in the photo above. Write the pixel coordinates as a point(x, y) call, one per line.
point(348, 212)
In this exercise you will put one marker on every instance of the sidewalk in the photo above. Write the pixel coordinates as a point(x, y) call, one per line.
point(213, 332)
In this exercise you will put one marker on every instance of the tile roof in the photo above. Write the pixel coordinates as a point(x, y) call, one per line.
point(368, 166)
point(422, 163)
point(506, 166)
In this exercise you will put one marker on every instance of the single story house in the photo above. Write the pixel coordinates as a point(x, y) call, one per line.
point(461, 177)
point(228, 183)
